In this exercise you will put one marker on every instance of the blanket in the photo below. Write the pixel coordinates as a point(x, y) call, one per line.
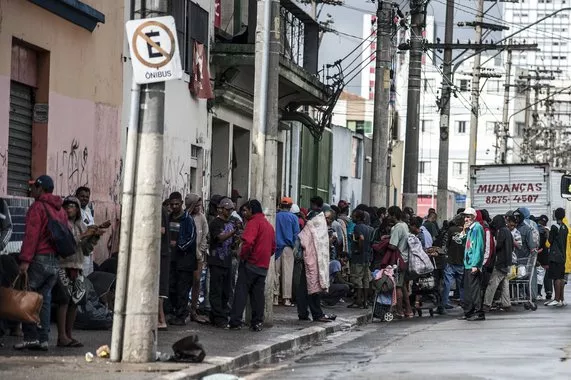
point(314, 239)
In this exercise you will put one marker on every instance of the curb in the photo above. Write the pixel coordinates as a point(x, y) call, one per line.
point(262, 352)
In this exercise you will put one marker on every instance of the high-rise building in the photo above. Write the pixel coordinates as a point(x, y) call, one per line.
point(368, 56)
point(552, 34)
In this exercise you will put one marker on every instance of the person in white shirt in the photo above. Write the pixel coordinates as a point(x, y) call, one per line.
point(84, 194)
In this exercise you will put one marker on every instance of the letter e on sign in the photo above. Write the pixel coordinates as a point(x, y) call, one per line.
point(154, 49)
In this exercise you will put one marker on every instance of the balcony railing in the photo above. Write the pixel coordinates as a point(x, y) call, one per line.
point(292, 37)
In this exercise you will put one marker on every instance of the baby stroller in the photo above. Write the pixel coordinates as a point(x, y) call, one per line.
point(385, 295)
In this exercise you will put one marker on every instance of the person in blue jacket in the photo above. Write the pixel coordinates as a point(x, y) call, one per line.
point(473, 262)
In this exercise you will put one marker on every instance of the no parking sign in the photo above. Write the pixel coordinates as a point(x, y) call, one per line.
point(154, 49)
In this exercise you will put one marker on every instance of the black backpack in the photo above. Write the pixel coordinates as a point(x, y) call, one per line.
point(61, 236)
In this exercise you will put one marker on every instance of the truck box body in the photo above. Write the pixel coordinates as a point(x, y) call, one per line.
point(501, 188)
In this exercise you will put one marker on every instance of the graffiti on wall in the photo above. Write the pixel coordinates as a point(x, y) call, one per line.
point(176, 177)
point(115, 187)
point(72, 169)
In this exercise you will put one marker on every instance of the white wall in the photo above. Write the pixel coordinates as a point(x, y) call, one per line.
point(341, 167)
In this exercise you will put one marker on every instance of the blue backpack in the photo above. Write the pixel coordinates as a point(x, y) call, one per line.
point(61, 236)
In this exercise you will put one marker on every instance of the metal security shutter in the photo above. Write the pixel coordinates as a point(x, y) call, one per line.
point(20, 139)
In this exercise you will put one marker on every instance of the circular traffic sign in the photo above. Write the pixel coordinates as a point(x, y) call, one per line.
point(166, 53)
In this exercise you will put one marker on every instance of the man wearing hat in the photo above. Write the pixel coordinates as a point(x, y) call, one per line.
point(222, 232)
point(38, 258)
point(287, 229)
point(473, 236)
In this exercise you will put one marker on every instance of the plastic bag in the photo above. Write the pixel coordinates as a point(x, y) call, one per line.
point(512, 273)
point(521, 271)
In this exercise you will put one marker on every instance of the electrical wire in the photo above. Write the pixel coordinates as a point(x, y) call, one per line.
point(471, 11)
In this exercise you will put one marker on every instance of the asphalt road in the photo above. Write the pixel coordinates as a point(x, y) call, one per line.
point(516, 345)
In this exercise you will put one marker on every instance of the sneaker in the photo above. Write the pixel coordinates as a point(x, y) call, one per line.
point(463, 318)
point(449, 307)
point(31, 345)
point(551, 303)
point(477, 318)
point(540, 298)
point(486, 308)
point(234, 327)
point(559, 304)
point(257, 327)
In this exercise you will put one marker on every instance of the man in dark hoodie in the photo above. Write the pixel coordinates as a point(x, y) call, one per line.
point(502, 261)
point(38, 258)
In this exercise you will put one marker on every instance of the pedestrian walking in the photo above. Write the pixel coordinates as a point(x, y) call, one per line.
point(164, 268)
point(38, 258)
point(473, 262)
point(258, 246)
point(287, 229)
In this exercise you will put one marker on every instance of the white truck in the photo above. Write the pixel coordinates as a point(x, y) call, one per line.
point(501, 188)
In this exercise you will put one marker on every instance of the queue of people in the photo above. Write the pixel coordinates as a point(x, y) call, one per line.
point(212, 260)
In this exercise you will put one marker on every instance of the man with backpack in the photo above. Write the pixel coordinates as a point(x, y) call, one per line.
point(39, 257)
point(473, 237)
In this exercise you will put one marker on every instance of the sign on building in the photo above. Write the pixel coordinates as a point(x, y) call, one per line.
point(154, 49)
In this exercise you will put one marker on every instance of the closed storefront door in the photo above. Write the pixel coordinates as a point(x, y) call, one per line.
point(20, 138)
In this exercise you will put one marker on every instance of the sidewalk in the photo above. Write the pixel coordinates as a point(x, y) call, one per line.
point(225, 350)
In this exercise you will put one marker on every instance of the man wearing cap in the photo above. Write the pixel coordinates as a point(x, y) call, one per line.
point(473, 237)
point(38, 258)
point(287, 229)
point(222, 232)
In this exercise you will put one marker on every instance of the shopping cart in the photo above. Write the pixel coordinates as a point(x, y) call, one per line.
point(521, 288)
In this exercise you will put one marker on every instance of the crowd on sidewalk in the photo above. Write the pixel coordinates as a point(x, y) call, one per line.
point(215, 257)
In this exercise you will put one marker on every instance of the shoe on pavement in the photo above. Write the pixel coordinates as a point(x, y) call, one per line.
point(31, 345)
point(287, 302)
point(486, 308)
point(234, 327)
point(463, 318)
point(540, 298)
point(559, 304)
point(257, 327)
point(449, 307)
point(551, 303)
point(477, 318)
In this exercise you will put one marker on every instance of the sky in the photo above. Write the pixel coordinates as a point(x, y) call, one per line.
point(348, 20)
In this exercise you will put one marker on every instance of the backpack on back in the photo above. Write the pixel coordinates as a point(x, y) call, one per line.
point(419, 263)
point(61, 236)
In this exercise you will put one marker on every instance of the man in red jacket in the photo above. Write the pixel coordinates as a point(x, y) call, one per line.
point(38, 259)
point(258, 246)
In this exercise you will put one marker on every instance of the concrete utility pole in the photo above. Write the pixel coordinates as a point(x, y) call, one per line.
point(410, 182)
point(137, 342)
point(265, 126)
point(502, 136)
point(269, 199)
point(475, 92)
point(447, 87)
point(379, 183)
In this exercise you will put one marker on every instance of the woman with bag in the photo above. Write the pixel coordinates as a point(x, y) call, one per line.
point(70, 288)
